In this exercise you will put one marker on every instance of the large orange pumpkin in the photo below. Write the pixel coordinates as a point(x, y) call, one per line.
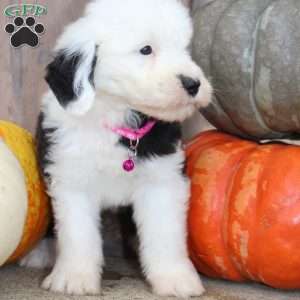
point(244, 216)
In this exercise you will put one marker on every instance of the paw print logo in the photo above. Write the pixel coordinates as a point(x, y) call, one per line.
point(24, 32)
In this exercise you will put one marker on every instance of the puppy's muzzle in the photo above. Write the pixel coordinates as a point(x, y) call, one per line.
point(190, 85)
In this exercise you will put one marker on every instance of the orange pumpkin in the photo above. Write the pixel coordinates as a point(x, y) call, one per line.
point(244, 216)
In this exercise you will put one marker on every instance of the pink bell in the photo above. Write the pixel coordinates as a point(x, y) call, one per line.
point(128, 165)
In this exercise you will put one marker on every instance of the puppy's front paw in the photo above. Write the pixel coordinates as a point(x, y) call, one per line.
point(181, 281)
point(68, 281)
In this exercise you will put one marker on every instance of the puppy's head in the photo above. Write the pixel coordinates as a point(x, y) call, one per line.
point(134, 52)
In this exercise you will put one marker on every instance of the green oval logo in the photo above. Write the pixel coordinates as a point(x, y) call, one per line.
point(21, 10)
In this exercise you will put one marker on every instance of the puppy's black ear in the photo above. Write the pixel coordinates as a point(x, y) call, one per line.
point(70, 76)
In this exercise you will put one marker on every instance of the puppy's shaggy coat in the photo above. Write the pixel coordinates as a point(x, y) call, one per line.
point(122, 63)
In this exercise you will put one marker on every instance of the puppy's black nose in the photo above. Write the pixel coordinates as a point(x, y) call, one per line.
point(190, 85)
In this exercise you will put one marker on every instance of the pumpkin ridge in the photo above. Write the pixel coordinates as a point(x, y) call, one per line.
point(258, 213)
point(219, 262)
point(273, 157)
point(215, 31)
point(245, 130)
point(234, 166)
point(228, 196)
point(251, 264)
point(240, 130)
point(241, 231)
point(252, 96)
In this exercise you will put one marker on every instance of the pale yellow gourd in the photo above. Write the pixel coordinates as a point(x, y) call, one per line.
point(24, 206)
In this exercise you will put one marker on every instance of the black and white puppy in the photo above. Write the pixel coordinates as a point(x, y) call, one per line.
point(124, 63)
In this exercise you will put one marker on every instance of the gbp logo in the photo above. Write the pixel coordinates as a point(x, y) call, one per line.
point(24, 30)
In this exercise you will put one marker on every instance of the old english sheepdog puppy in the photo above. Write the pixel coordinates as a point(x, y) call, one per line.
point(121, 82)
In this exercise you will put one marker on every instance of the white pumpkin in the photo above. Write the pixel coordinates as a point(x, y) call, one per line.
point(13, 202)
point(24, 206)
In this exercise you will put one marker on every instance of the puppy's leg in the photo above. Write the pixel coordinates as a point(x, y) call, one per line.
point(42, 256)
point(160, 213)
point(78, 265)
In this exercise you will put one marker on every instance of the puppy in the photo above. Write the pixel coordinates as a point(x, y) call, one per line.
point(109, 135)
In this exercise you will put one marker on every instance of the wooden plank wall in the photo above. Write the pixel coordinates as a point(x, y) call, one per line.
point(22, 70)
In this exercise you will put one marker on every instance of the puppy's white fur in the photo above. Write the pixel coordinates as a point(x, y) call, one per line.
point(86, 172)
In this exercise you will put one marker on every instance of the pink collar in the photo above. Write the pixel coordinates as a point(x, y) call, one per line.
point(133, 134)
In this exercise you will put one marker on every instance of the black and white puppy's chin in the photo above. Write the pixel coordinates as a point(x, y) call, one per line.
point(71, 78)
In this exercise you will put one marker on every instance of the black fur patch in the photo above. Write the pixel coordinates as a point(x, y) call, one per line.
point(161, 140)
point(44, 143)
point(184, 168)
point(128, 231)
point(61, 74)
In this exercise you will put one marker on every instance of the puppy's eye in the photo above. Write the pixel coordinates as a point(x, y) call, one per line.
point(146, 50)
